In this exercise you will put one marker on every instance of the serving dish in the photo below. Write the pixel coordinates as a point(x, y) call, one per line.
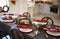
point(53, 33)
point(25, 28)
point(7, 19)
point(42, 22)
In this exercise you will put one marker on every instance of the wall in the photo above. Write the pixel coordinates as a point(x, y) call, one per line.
point(23, 6)
point(20, 7)
point(55, 17)
point(14, 8)
point(30, 10)
point(38, 15)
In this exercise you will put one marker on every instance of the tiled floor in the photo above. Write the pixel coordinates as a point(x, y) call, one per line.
point(55, 17)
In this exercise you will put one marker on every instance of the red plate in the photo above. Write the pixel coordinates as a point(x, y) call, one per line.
point(41, 20)
point(47, 29)
point(8, 19)
point(50, 29)
point(53, 30)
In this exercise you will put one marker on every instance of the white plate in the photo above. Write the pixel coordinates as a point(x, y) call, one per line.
point(43, 23)
point(7, 20)
point(25, 30)
point(14, 16)
point(53, 33)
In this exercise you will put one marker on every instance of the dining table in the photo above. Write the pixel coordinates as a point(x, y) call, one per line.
point(41, 35)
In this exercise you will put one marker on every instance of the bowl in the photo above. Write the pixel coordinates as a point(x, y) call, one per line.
point(25, 28)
